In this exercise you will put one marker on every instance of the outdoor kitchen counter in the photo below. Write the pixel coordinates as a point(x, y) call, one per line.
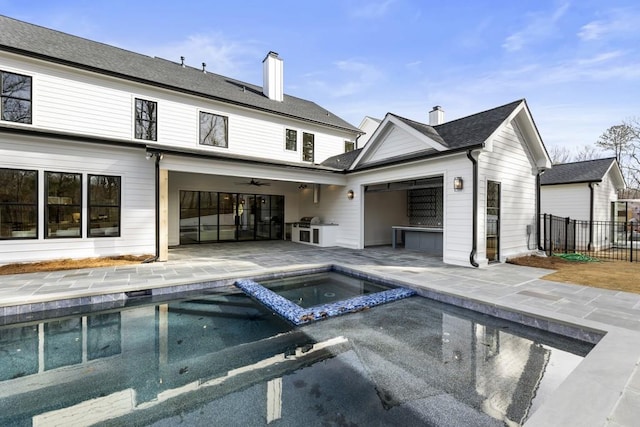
point(323, 235)
point(425, 239)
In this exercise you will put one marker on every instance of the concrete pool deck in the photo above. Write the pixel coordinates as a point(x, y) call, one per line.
point(603, 391)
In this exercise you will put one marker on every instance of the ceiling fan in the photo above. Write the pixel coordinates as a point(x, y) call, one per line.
point(255, 182)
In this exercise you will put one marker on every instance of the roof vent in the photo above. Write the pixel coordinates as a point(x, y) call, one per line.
point(436, 116)
point(273, 77)
point(182, 61)
point(204, 68)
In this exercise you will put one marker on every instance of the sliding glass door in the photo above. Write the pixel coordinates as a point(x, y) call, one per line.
point(246, 217)
point(207, 216)
point(228, 216)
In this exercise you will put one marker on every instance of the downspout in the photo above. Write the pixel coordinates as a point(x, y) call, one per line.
point(474, 221)
point(158, 156)
point(538, 208)
point(591, 203)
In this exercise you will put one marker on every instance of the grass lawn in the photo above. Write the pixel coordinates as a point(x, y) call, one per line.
point(71, 264)
point(614, 275)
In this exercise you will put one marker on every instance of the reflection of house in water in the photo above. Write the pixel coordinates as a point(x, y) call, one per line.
point(482, 367)
point(106, 365)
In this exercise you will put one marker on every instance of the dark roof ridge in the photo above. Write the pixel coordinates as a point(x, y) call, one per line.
point(481, 112)
point(76, 37)
point(585, 161)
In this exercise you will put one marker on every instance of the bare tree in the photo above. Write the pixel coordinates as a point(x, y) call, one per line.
point(631, 166)
point(587, 152)
point(559, 155)
point(617, 139)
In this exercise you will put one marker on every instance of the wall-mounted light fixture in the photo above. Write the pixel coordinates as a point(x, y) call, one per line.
point(302, 186)
point(150, 154)
point(350, 194)
point(458, 183)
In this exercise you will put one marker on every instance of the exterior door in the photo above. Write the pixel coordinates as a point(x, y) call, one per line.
point(493, 221)
point(228, 216)
point(246, 216)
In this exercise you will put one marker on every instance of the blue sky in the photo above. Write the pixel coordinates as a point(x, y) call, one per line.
point(576, 62)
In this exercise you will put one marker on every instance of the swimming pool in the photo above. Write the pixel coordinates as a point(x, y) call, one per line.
point(221, 358)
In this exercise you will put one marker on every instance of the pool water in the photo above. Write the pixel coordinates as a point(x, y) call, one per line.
point(222, 359)
point(322, 288)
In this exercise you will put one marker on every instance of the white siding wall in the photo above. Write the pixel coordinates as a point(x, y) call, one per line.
point(510, 164)
point(137, 208)
point(395, 143)
point(74, 101)
point(567, 200)
point(368, 126)
point(604, 194)
point(328, 209)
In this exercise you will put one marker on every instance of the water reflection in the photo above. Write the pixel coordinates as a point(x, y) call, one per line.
point(226, 358)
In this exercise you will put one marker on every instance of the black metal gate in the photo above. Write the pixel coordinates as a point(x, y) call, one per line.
point(614, 240)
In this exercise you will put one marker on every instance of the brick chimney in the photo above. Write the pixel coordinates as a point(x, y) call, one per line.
point(273, 77)
point(436, 116)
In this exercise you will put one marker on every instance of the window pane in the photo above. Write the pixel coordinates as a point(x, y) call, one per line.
point(307, 147)
point(292, 139)
point(18, 186)
point(15, 98)
point(16, 110)
point(18, 221)
point(63, 221)
point(213, 130)
point(104, 221)
point(18, 203)
point(64, 204)
point(146, 120)
point(16, 86)
point(104, 190)
point(104, 206)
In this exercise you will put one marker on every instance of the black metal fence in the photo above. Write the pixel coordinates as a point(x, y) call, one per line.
point(614, 240)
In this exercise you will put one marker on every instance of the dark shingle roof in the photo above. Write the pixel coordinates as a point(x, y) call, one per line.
point(342, 161)
point(32, 40)
point(577, 172)
point(424, 129)
point(475, 129)
point(457, 134)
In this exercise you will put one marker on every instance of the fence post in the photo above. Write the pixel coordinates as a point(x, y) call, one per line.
point(550, 247)
point(567, 221)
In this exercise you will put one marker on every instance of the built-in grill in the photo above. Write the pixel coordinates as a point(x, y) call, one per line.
point(308, 221)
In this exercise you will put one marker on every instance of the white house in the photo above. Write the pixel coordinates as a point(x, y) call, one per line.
point(585, 191)
point(105, 152)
